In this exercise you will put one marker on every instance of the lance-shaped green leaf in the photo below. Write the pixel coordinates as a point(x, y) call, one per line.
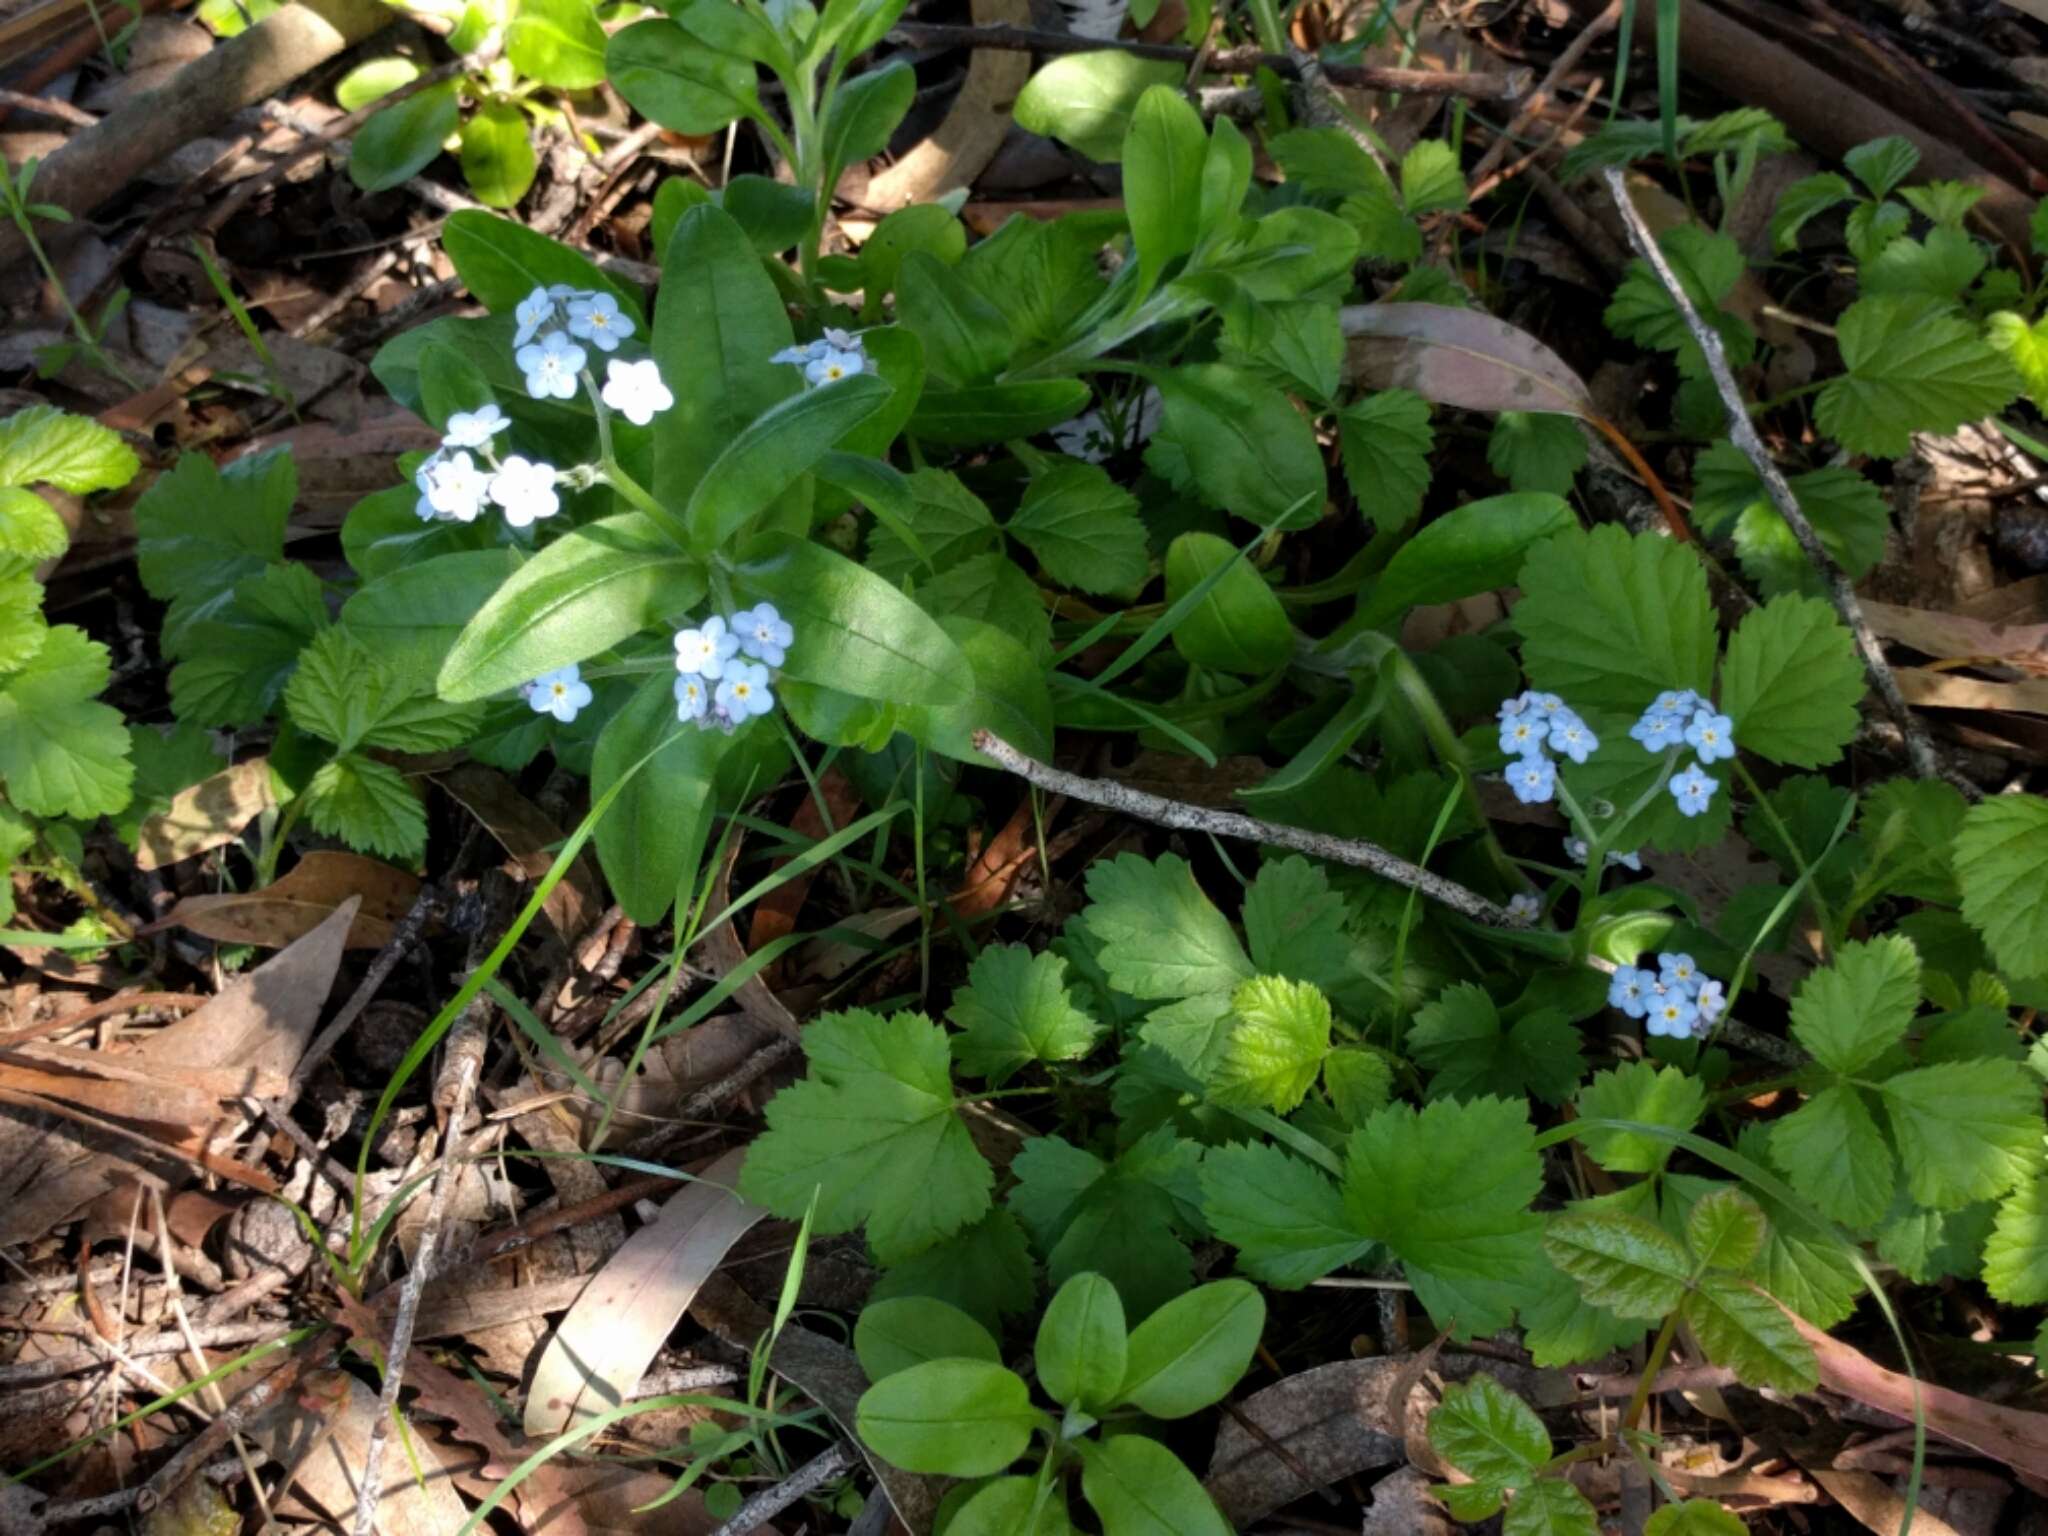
point(772, 452)
point(589, 589)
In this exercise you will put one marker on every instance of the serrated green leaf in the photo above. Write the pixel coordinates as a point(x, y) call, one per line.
point(237, 660)
point(951, 523)
point(1623, 1263)
point(2016, 1253)
point(1707, 266)
point(1122, 1219)
point(1359, 1082)
point(29, 529)
point(1939, 267)
point(368, 805)
point(1447, 1187)
point(1847, 511)
point(1726, 1230)
point(1285, 1218)
point(1084, 529)
point(1791, 682)
point(1912, 367)
point(1251, 452)
point(1461, 1038)
point(343, 693)
point(1881, 164)
point(1926, 1246)
point(1192, 1031)
point(1550, 1507)
point(63, 753)
point(2025, 347)
point(1801, 201)
point(1645, 1092)
point(1294, 923)
point(2001, 863)
point(1871, 227)
point(872, 1131)
point(984, 1269)
point(45, 446)
point(1740, 1327)
point(1833, 1154)
point(1431, 179)
point(1537, 450)
point(1910, 827)
point(202, 530)
point(1855, 1010)
point(1610, 619)
point(1812, 1272)
point(1159, 936)
point(1561, 1327)
point(1386, 440)
point(23, 629)
point(1016, 1009)
point(1489, 1434)
point(1965, 1130)
point(1278, 1039)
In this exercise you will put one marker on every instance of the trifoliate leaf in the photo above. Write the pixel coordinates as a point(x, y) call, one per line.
point(236, 660)
point(872, 1130)
point(985, 1270)
point(1847, 512)
point(1489, 1434)
point(1940, 267)
point(1159, 936)
point(2016, 1253)
point(1285, 1219)
point(1447, 1187)
point(1965, 1130)
point(1833, 1154)
point(1811, 1272)
point(2001, 862)
point(63, 753)
point(1610, 619)
point(1278, 1038)
point(1084, 529)
point(1791, 682)
point(1707, 266)
point(29, 528)
point(1648, 1094)
point(1801, 201)
point(1695, 1517)
point(23, 629)
point(1460, 1037)
point(1537, 450)
point(1628, 1265)
point(1123, 1220)
point(1386, 440)
point(343, 693)
point(1871, 227)
point(368, 805)
point(950, 521)
point(1550, 1507)
point(1740, 1327)
point(1910, 827)
point(1855, 1010)
point(1882, 164)
point(1912, 367)
point(44, 446)
point(1015, 1010)
point(1359, 1082)
point(200, 531)
point(1431, 178)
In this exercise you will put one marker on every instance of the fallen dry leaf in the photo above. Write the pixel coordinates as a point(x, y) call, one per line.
point(1929, 689)
point(1954, 637)
point(323, 1431)
point(209, 815)
point(531, 841)
point(295, 905)
point(1461, 357)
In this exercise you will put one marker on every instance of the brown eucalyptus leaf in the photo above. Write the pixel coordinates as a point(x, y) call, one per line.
point(1459, 357)
point(531, 842)
point(208, 815)
point(294, 906)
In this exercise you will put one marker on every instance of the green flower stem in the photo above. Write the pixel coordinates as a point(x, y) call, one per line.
point(1658, 1350)
point(614, 474)
point(1820, 904)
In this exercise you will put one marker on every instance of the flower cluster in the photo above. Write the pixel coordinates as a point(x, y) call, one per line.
point(1529, 723)
point(1675, 999)
point(1684, 718)
point(834, 356)
point(559, 693)
point(554, 322)
point(714, 687)
point(459, 478)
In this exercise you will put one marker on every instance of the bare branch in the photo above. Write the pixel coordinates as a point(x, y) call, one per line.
point(1919, 748)
point(1195, 818)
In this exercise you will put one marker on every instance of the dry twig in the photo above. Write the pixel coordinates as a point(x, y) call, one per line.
point(1841, 592)
point(770, 1502)
point(1195, 818)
